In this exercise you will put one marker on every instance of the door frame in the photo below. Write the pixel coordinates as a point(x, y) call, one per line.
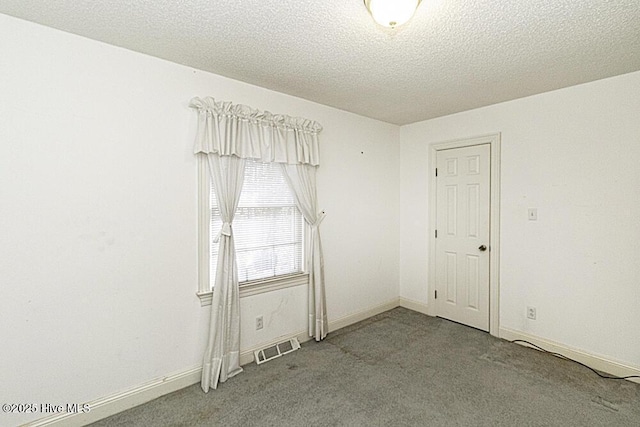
point(494, 224)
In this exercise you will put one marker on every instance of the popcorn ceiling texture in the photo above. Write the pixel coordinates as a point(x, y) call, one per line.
point(453, 56)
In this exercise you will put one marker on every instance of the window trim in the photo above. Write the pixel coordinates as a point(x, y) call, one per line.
point(261, 286)
point(248, 288)
point(204, 286)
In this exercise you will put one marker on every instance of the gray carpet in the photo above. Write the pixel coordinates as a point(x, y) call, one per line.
point(402, 368)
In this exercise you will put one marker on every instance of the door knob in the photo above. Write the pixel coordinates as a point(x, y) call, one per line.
point(482, 248)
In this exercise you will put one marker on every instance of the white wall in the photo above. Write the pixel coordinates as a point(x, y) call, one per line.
point(98, 217)
point(573, 154)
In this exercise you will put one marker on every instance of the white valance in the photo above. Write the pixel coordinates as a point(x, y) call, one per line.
point(229, 129)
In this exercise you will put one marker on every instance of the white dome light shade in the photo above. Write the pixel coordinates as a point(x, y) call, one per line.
point(391, 13)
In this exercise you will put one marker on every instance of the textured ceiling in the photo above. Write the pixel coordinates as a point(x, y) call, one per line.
point(453, 56)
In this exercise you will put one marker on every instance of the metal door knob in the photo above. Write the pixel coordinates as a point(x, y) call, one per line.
point(482, 248)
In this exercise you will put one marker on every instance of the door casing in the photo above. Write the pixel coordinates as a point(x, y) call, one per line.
point(494, 224)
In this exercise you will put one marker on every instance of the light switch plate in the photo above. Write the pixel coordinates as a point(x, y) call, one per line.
point(533, 214)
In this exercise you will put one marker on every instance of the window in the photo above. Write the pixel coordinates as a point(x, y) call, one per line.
point(268, 230)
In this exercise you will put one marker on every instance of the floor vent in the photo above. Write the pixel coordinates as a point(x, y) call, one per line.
point(275, 351)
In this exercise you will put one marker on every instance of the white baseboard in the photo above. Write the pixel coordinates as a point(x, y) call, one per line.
point(418, 306)
point(247, 356)
point(350, 319)
point(596, 362)
point(110, 405)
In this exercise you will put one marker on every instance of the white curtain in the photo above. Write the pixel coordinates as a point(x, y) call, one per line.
point(222, 355)
point(302, 180)
point(227, 134)
point(237, 130)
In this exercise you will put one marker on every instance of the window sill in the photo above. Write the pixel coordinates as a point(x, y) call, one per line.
point(256, 287)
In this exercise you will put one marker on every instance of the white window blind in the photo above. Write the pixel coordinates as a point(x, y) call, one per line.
point(267, 228)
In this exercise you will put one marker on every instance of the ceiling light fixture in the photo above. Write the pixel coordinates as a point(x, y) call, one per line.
point(391, 13)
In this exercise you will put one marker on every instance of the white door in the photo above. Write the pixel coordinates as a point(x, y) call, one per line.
point(462, 235)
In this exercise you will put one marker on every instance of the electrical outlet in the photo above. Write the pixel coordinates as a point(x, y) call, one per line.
point(531, 313)
point(259, 323)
